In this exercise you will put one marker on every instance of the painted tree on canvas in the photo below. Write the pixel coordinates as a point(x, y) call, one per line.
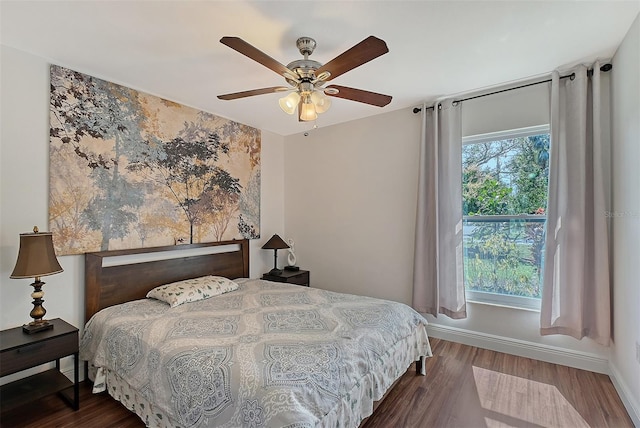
point(68, 201)
point(88, 107)
point(245, 138)
point(250, 207)
point(185, 166)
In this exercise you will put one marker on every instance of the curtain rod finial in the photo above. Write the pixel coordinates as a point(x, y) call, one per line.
point(416, 110)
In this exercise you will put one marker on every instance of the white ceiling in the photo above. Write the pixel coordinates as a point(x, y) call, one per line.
point(171, 48)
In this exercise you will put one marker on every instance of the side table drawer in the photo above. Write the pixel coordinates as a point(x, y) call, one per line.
point(297, 277)
point(302, 279)
point(24, 357)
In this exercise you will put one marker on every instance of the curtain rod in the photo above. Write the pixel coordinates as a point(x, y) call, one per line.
point(605, 68)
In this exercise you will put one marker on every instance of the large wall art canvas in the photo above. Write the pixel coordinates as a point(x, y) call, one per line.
point(132, 170)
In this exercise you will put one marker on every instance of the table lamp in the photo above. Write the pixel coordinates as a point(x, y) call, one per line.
point(275, 243)
point(36, 258)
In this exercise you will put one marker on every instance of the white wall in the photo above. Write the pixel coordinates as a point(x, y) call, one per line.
point(350, 202)
point(515, 109)
point(625, 99)
point(350, 205)
point(24, 172)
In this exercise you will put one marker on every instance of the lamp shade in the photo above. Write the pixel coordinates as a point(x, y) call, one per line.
point(275, 243)
point(308, 110)
point(289, 103)
point(321, 101)
point(36, 256)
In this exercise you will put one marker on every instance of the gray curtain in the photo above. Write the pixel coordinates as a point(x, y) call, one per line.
point(438, 285)
point(576, 291)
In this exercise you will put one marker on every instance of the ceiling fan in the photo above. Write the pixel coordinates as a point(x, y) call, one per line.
point(307, 77)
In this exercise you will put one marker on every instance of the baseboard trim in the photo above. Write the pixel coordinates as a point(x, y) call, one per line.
point(632, 406)
point(521, 348)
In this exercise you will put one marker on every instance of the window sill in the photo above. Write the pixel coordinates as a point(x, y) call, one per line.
point(502, 305)
point(504, 300)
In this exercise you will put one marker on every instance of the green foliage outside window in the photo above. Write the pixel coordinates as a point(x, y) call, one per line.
point(505, 178)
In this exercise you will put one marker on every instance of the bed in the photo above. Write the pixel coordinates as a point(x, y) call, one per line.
point(265, 354)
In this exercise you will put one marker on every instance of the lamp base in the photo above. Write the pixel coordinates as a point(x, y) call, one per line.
point(275, 272)
point(35, 327)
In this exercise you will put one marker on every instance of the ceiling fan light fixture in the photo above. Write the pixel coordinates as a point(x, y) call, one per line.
point(321, 101)
point(289, 103)
point(308, 110)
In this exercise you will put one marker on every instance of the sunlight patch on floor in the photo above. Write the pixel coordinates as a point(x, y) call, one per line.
point(512, 399)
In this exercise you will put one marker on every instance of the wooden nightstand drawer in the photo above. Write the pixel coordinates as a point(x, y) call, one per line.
point(34, 354)
point(299, 277)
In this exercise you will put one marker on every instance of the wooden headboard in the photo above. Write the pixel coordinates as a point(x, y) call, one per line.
point(114, 277)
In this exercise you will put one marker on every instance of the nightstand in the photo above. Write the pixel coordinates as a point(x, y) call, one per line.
point(20, 351)
point(299, 277)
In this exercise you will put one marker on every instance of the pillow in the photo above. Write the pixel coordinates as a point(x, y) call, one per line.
point(192, 290)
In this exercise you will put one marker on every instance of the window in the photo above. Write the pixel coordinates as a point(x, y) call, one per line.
point(504, 190)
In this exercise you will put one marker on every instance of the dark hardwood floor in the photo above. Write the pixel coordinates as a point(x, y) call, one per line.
point(464, 387)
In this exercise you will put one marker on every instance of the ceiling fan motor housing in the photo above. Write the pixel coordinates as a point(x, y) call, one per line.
point(304, 68)
point(306, 45)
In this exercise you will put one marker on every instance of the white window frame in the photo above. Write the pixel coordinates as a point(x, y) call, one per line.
point(518, 302)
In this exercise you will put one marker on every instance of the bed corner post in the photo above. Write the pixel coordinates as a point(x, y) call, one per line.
point(421, 367)
point(92, 272)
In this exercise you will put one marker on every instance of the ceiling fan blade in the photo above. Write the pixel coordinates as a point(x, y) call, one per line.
point(368, 49)
point(237, 44)
point(359, 95)
point(253, 92)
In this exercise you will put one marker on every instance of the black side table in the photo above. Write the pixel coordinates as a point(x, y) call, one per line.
point(20, 351)
point(299, 277)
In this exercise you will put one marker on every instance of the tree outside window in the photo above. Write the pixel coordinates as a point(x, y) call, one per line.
point(504, 190)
